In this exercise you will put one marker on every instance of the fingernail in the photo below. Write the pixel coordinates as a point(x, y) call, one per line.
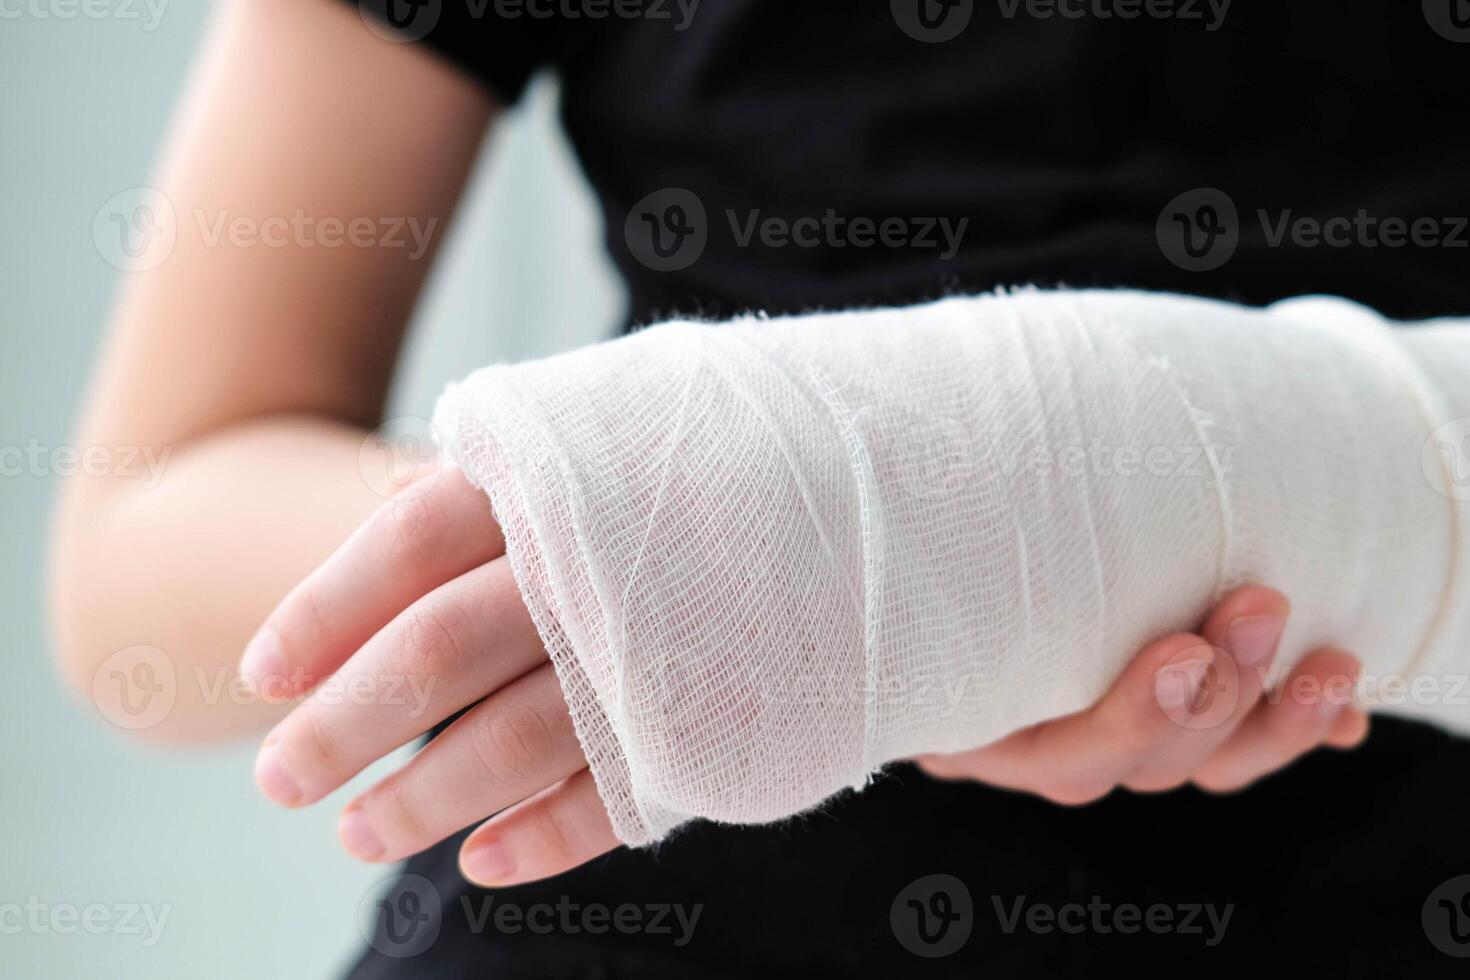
point(488, 862)
point(1253, 639)
point(1178, 682)
point(358, 836)
point(273, 779)
point(263, 664)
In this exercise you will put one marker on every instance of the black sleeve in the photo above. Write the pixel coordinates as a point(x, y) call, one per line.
point(499, 44)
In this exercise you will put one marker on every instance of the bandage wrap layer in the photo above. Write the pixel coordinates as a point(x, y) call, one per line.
point(769, 556)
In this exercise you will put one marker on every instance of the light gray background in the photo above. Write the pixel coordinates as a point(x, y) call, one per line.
point(87, 815)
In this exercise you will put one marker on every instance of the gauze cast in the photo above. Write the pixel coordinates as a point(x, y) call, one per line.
point(769, 556)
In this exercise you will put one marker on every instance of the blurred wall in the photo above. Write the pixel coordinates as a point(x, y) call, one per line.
point(240, 888)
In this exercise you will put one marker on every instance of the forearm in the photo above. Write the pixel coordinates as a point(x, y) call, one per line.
point(851, 538)
point(257, 361)
point(190, 557)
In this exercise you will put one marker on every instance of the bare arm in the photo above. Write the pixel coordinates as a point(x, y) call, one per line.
point(256, 368)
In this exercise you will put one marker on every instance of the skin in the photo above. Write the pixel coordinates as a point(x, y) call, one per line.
point(260, 371)
point(423, 591)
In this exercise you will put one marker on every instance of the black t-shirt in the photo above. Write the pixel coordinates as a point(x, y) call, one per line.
point(790, 155)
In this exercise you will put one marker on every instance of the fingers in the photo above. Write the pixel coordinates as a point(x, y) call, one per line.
point(1313, 706)
point(1082, 757)
point(511, 746)
point(1245, 629)
point(408, 547)
point(554, 831)
point(447, 650)
point(1350, 730)
point(1174, 705)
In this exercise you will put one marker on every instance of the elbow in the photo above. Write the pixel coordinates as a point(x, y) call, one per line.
point(125, 637)
point(129, 687)
point(65, 611)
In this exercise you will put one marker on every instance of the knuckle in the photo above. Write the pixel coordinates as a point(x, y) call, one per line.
point(936, 766)
point(315, 742)
point(511, 740)
point(402, 814)
point(1293, 732)
point(1076, 794)
point(429, 642)
point(1218, 785)
point(1357, 735)
point(410, 522)
point(300, 624)
point(1164, 783)
point(553, 840)
point(1133, 735)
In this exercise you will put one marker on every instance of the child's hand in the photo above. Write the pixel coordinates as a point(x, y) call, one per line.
point(417, 616)
point(413, 619)
point(1189, 708)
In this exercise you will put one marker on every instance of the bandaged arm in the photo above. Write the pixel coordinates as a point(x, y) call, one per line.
point(769, 556)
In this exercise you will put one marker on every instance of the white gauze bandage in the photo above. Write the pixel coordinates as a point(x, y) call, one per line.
point(769, 556)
